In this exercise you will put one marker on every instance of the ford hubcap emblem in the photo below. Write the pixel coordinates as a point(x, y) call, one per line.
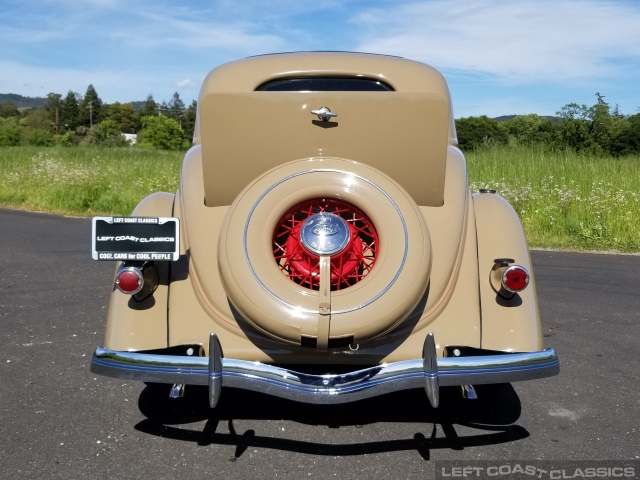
point(325, 230)
point(325, 234)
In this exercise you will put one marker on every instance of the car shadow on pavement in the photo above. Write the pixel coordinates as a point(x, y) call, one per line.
point(493, 415)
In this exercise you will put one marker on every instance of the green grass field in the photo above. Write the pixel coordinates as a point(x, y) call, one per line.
point(564, 200)
point(84, 181)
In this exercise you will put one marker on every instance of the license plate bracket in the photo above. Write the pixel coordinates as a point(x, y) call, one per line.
point(135, 238)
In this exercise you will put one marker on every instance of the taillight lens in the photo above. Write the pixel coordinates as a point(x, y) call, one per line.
point(515, 279)
point(129, 280)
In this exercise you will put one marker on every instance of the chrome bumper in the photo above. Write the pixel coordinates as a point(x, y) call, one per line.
point(428, 372)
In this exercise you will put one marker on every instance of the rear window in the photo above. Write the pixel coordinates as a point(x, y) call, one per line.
point(325, 84)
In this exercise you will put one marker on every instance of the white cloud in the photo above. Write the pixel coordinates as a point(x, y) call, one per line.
point(163, 28)
point(186, 83)
point(496, 54)
point(145, 25)
point(523, 41)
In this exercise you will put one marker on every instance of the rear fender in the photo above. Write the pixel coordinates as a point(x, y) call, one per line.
point(507, 325)
point(133, 325)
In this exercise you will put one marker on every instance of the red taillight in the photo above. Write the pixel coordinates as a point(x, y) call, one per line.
point(515, 278)
point(129, 280)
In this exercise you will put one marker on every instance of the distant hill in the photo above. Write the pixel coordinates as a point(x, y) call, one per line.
point(22, 102)
point(506, 118)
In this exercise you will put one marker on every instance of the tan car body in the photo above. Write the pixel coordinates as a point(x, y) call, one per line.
point(393, 155)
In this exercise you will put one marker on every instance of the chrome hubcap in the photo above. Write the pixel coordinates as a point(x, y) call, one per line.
point(325, 234)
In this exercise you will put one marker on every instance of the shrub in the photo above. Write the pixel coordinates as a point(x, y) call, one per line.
point(106, 134)
point(39, 138)
point(10, 132)
point(64, 140)
point(161, 132)
point(475, 132)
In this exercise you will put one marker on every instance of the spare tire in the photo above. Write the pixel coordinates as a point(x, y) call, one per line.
point(374, 253)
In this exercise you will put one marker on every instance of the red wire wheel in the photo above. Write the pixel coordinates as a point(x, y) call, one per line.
point(348, 266)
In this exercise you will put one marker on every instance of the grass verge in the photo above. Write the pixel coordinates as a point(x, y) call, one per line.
point(84, 181)
point(564, 200)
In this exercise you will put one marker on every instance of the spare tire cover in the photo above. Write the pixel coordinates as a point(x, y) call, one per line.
point(279, 307)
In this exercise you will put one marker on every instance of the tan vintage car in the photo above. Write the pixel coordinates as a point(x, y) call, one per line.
point(323, 245)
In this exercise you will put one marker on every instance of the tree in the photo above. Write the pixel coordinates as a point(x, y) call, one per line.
point(149, 107)
point(530, 129)
point(8, 109)
point(129, 121)
point(574, 130)
point(89, 109)
point(69, 111)
point(592, 130)
point(54, 100)
point(123, 114)
point(37, 120)
point(627, 140)
point(474, 132)
point(601, 125)
point(175, 107)
point(53, 107)
point(161, 132)
point(189, 120)
point(163, 109)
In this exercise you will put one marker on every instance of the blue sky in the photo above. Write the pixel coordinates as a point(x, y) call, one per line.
point(500, 57)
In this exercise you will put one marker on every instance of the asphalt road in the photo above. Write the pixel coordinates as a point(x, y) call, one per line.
point(57, 420)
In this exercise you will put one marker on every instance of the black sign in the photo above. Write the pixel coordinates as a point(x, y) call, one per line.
point(135, 238)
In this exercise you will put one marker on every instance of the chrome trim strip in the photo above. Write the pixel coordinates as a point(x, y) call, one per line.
point(297, 174)
point(323, 389)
